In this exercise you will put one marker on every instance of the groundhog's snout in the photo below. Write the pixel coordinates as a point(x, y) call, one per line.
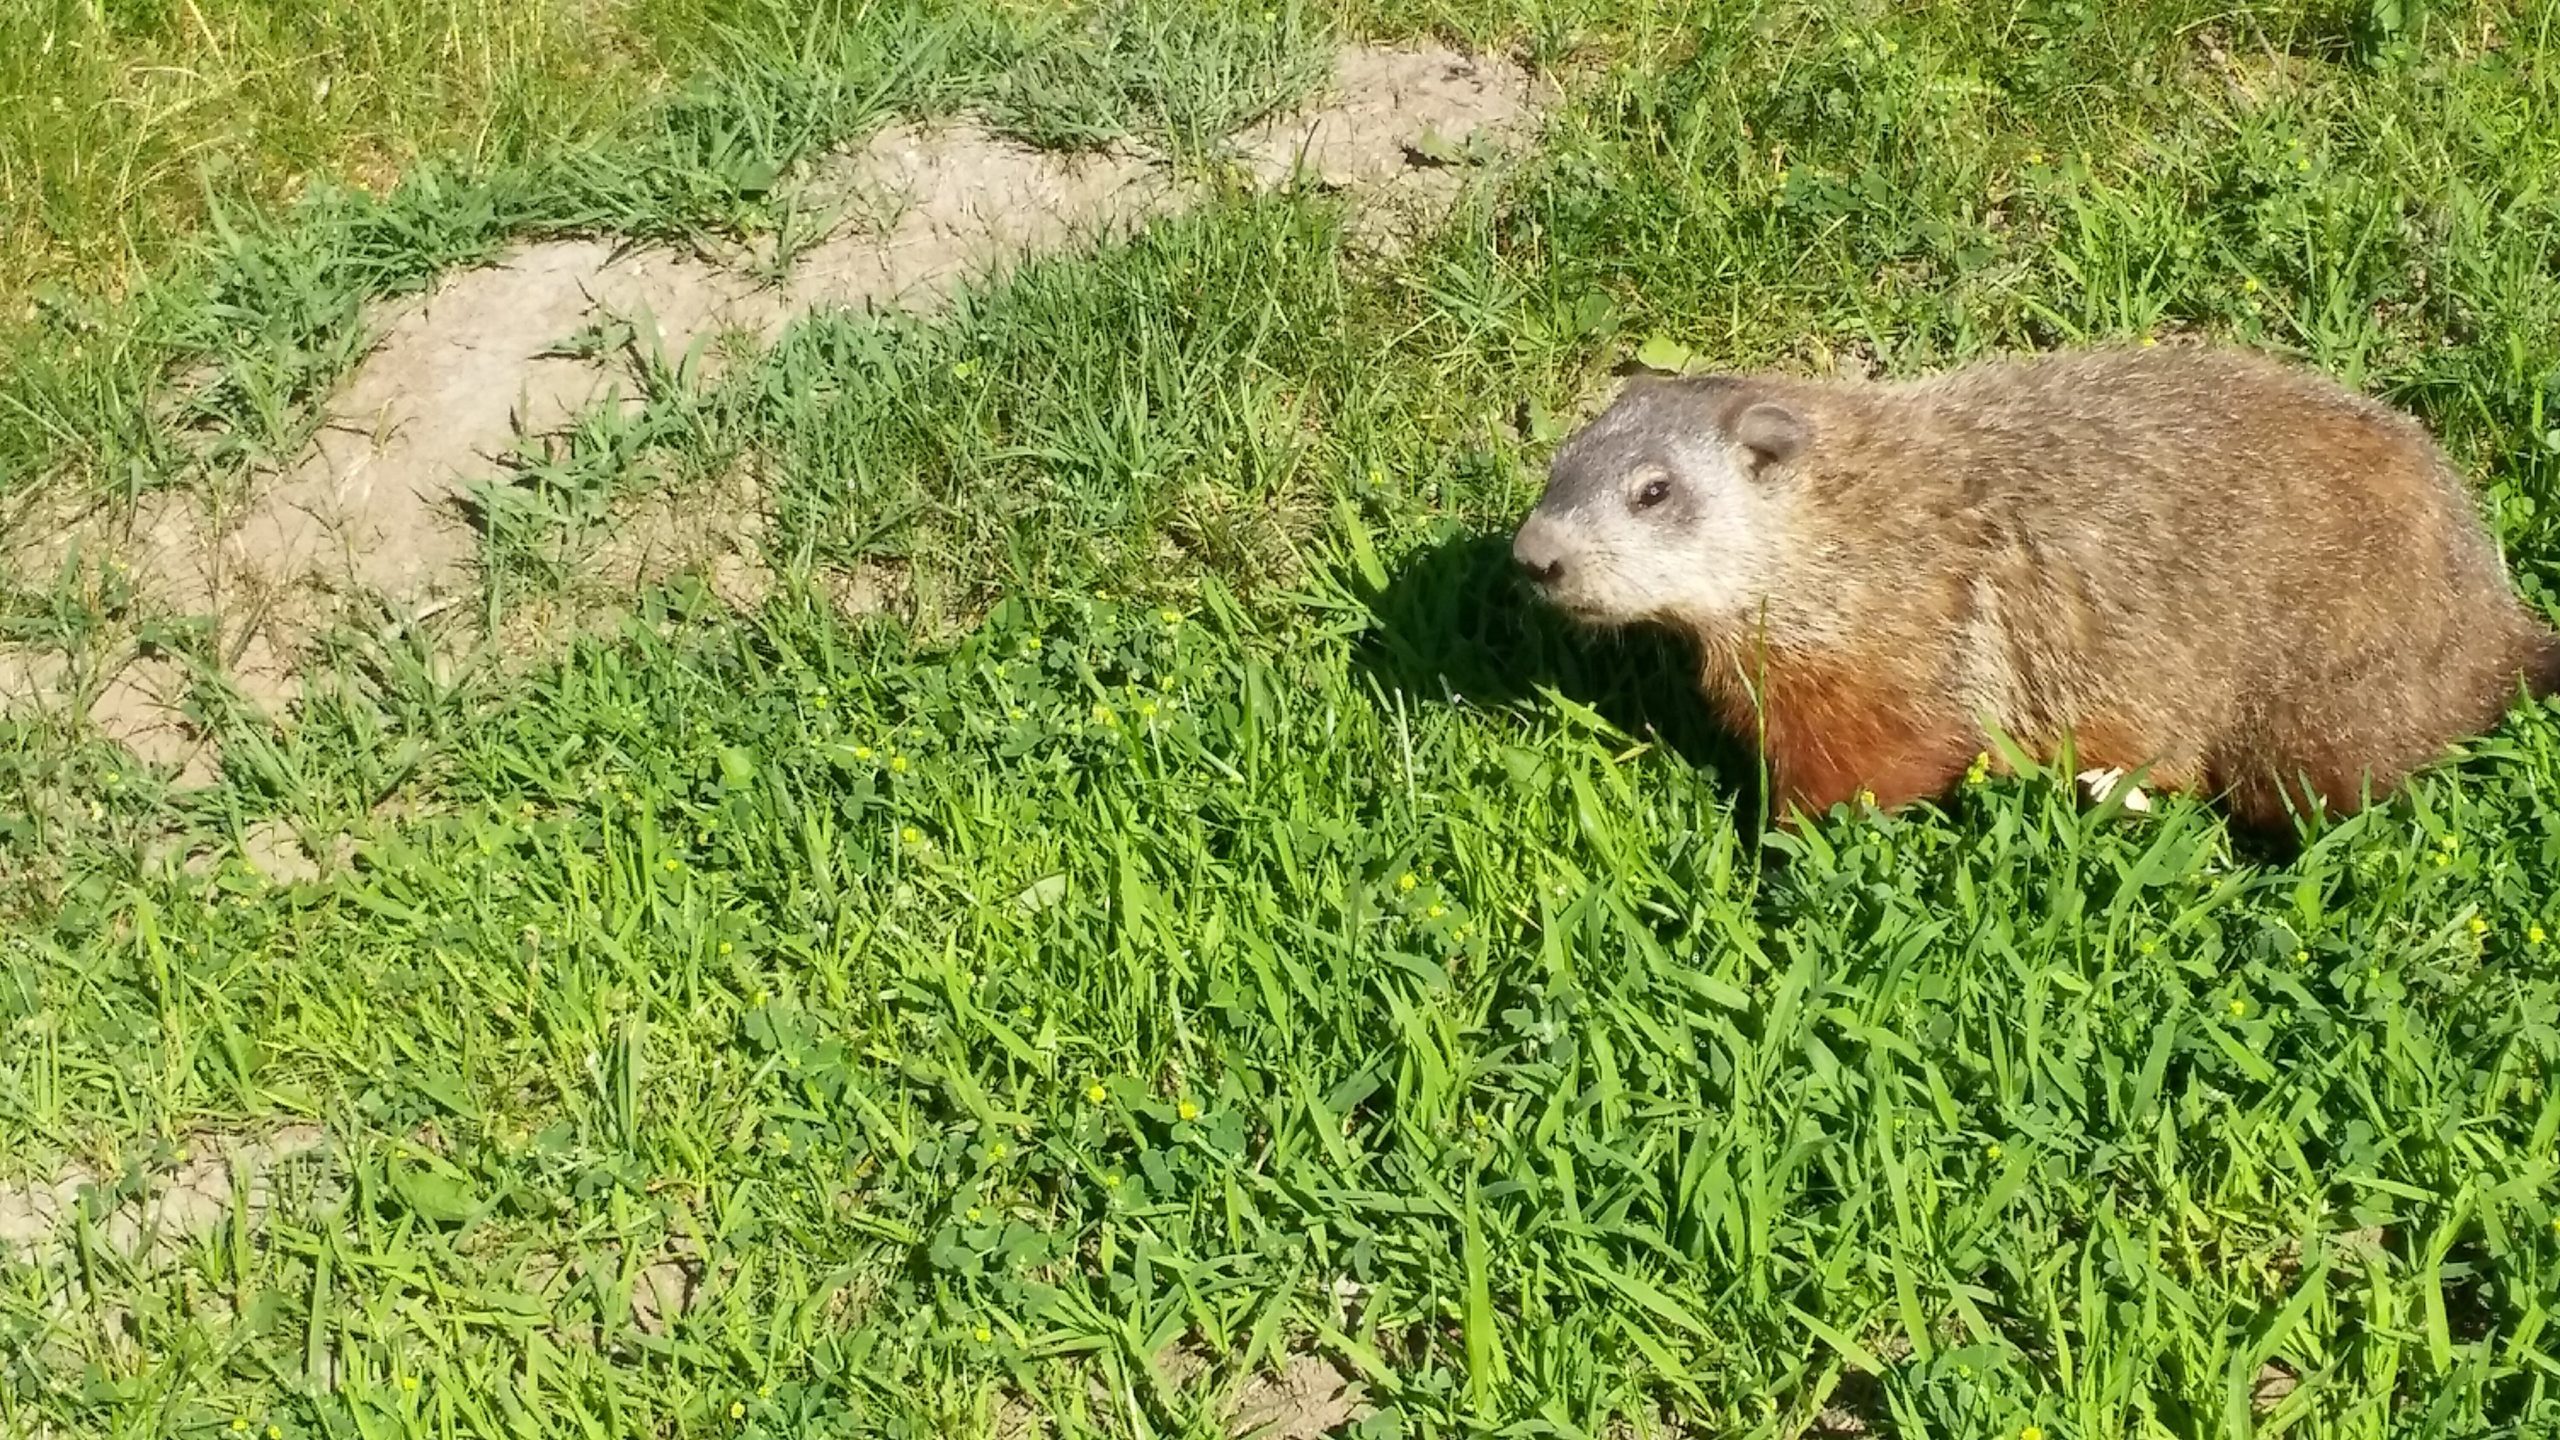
point(1539, 550)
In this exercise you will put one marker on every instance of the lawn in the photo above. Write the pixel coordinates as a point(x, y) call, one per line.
point(1188, 943)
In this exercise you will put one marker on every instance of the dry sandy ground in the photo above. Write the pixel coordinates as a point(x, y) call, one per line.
point(369, 523)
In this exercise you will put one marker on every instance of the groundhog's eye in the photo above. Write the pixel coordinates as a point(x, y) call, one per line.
point(1653, 492)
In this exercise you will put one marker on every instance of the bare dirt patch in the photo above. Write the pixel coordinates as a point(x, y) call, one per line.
point(144, 707)
point(1304, 1398)
point(718, 534)
point(137, 700)
point(374, 512)
point(1397, 131)
point(458, 379)
point(649, 1292)
point(933, 207)
point(165, 1209)
point(662, 1292)
point(2273, 1383)
point(1298, 1396)
point(281, 853)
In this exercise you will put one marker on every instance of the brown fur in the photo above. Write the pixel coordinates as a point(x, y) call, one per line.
point(1830, 733)
point(2235, 572)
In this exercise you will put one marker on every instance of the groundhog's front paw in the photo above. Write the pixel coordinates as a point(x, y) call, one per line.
point(2102, 783)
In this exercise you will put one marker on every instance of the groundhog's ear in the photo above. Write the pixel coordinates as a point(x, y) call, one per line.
point(1770, 431)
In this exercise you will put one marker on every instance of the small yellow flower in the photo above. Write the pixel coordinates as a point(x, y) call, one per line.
point(1993, 1151)
point(911, 835)
point(982, 1334)
point(1111, 1181)
point(2249, 283)
point(1031, 646)
point(275, 1432)
point(2035, 157)
point(1105, 715)
point(726, 947)
point(1377, 476)
point(2301, 957)
point(737, 1409)
point(973, 1214)
point(1170, 617)
point(1979, 770)
point(239, 1424)
point(998, 1150)
point(1146, 709)
point(1866, 797)
point(1435, 912)
point(2533, 935)
point(2149, 341)
point(1013, 712)
point(964, 369)
point(2239, 1007)
point(409, 1383)
point(1186, 1110)
point(1406, 881)
point(2479, 926)
point(671, 864)
point(2031, 1432)
point(898, 764)
point(820, 701)
point(1095, 1093)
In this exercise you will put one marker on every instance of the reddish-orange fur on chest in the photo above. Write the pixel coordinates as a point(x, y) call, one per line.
point(1829, 732)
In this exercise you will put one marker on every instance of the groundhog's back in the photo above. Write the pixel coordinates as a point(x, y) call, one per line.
point(2218, 547)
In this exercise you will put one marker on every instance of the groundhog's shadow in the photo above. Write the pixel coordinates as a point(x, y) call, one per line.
point(1458, 622)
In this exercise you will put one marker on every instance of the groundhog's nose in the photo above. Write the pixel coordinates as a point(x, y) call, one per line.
point(1536, 549)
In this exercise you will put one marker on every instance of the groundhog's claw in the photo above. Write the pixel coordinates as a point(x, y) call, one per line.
point(2103, 783)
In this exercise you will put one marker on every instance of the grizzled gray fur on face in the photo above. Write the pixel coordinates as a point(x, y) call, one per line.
point(1662, 507)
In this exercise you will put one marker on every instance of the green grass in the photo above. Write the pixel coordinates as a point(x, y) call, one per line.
point(117, 121)
point(1221, 888)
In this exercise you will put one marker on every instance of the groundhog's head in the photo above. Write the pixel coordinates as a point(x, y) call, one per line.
point(1664, 508)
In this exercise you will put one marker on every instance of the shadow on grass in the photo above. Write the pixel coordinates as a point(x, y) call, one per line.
point(1456, 623)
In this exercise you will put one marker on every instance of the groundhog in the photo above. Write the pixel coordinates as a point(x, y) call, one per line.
point(2196, 565)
